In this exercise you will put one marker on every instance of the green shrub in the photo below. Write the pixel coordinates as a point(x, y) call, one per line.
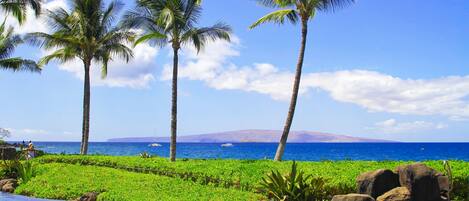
point(295, 186)
point(8, 169)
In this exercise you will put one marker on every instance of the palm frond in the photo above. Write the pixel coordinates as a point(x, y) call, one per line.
point(152, 37)
point(333, 5)
point(19, 64)
point(276, 3)
point(278, 17)
point(18, 8)
point(199, 36)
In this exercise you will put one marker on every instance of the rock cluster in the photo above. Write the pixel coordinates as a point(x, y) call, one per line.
point(88, 197)
point(8, 185)
point(7, 152)
point(415, 182)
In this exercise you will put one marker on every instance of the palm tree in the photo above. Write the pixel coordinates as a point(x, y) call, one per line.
point(86, 33)
point(174, 22)
point(295, 11)
point(18, 8)
point(8, 42)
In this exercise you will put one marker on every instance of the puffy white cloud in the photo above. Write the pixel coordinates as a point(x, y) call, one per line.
point(393, 126)
point(378, 92)
point(374, 91)
point(32, 23)
point(138, 73)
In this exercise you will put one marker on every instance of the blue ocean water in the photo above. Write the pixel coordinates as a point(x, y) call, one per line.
point(301, 152)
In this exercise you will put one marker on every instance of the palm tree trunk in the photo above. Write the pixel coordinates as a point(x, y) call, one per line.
point(172, 149)
point(86, 110)
point(296, 87)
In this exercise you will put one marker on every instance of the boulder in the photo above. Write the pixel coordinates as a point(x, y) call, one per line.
point(8, 185)
point(8, 181)
point(7, 152)
point(396, 194)
point(9, 188)
point(444, 184)
point(376, 183)
point(421, 181)
point(353, 197)
point(88, 197)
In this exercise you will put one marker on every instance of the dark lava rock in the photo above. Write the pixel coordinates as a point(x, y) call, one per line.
point(377, 182)
point(89, 197)
point(397, 194)
point(421, 181)
point(7, 152)
point(353, 197)
point(8, 185)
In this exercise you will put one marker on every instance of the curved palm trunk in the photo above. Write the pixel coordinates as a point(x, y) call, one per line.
point(86, 110)
point(172, 149)
point(296, 87)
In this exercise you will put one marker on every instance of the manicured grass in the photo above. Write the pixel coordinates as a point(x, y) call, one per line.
point(65, 181)
point(246, 174)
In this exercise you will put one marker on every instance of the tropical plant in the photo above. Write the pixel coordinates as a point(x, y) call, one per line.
point(295, 11)
point(25, 171)
point(145, 155)
point(173, 22)
point(87, 33)
point(8, 42)
point(294, 186)
point(18, 8)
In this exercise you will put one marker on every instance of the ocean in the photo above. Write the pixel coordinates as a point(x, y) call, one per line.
point(294, 151)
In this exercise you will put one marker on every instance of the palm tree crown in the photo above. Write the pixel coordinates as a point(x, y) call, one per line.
point(8, 42)
point(87, 33)
point(297, 10)
point(18, 8)
point(173, 22)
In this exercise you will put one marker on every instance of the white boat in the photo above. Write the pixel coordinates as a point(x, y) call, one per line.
point(227, 145)
point(155, 145)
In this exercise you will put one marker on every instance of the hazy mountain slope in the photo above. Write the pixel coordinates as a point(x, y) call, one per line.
point(253, 136)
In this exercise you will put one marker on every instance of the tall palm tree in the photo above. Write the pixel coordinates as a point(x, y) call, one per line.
point(8, 42)
point(18, 8)
point(295, 11)
point(86, 33)
point(174, 22)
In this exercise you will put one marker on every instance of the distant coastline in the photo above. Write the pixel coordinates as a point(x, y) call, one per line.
point(255, 136)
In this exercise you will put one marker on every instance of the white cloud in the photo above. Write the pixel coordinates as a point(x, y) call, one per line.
point(28, 131)
point(378, 92)
point(393, 126)
point(371, 90)
point(138, 73)
point(34, 24)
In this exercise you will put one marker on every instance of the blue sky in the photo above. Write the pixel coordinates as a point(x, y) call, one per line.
point(394, 70)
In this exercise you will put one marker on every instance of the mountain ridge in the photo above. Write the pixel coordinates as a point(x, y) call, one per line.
point(255, 136)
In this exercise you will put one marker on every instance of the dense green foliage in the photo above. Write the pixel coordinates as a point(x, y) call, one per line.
point(247, 174)
point(65, 181)
point(295, 185)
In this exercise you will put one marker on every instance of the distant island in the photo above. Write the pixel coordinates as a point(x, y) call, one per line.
point(262, 136)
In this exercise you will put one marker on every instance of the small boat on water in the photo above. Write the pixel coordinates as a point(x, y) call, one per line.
point(155, 145)
point(227, 145)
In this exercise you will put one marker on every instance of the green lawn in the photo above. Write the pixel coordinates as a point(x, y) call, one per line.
point(65, 181)
point(246, 174)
